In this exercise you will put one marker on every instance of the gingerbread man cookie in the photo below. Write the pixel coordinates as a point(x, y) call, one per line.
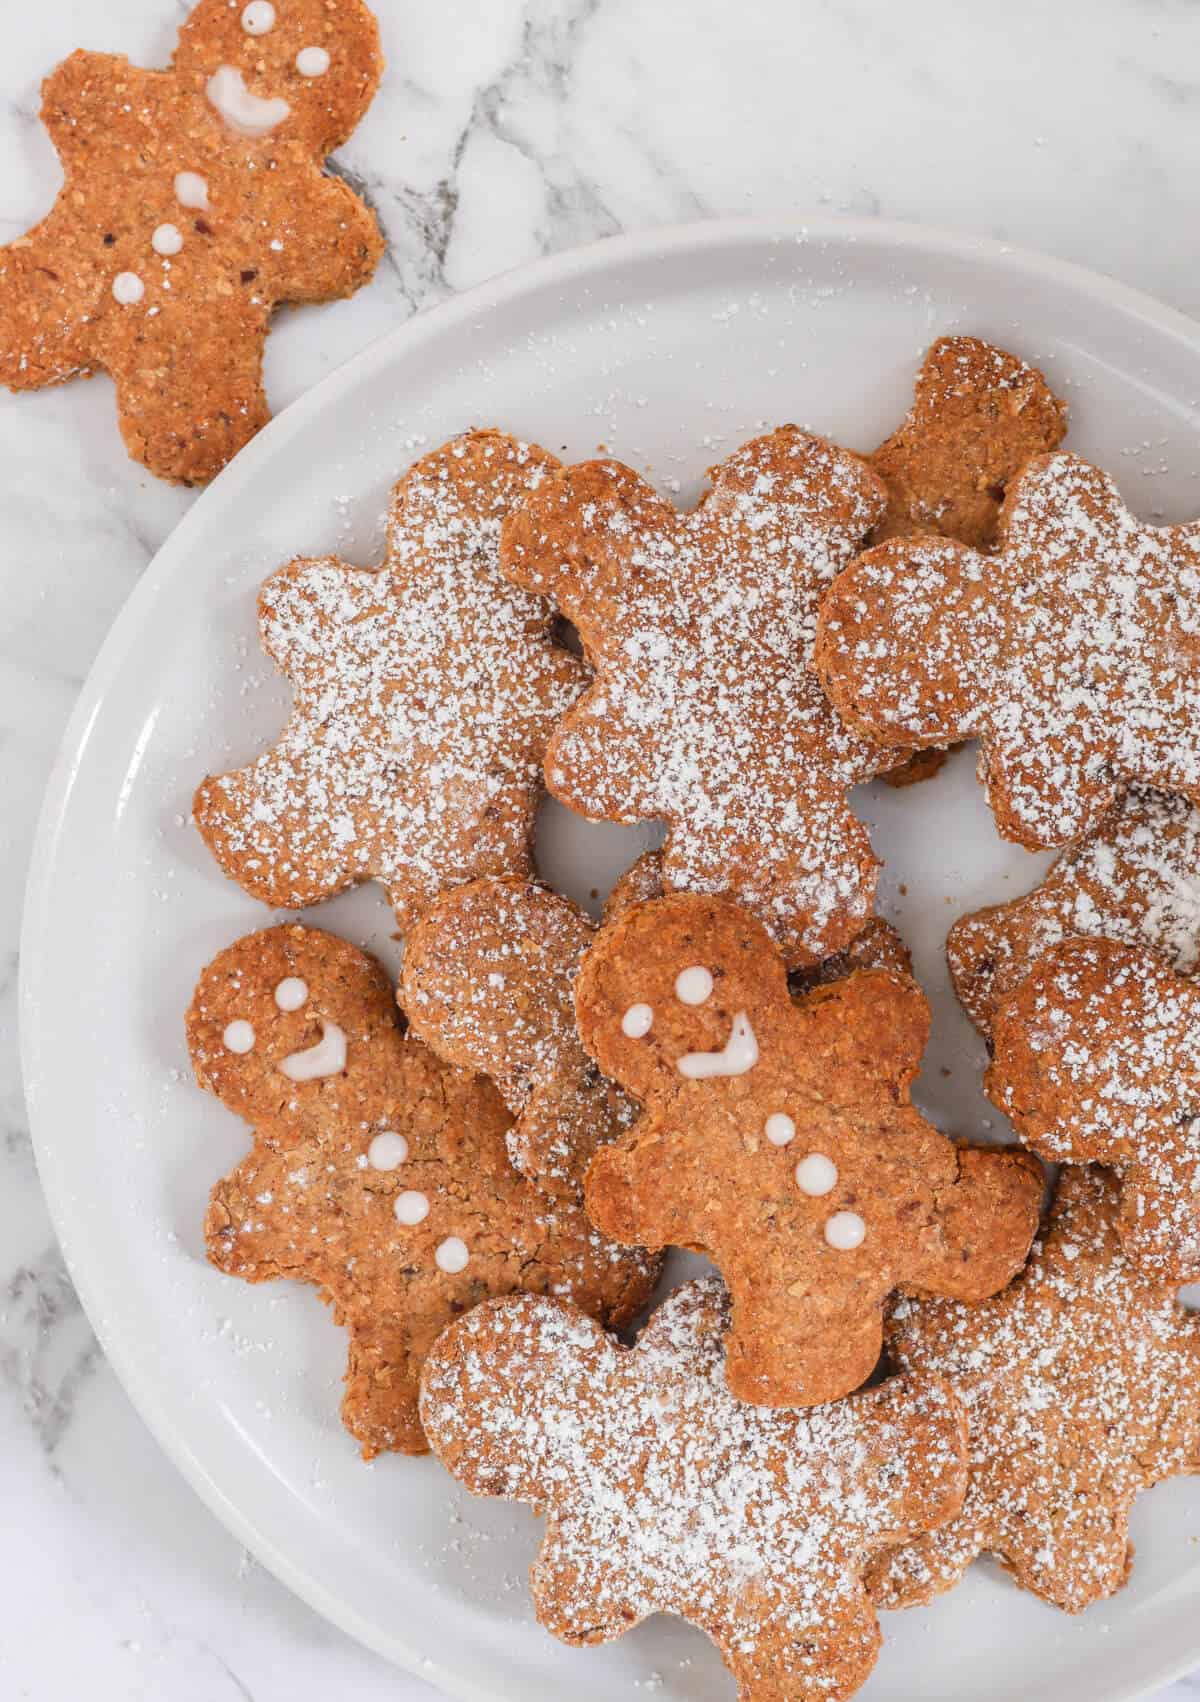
point(1135, 880)
point(378, 1173)
point(489, 983)
point(664, 1494)
point(779, 1138)
point(703, 712)
point(193, 204)
point(1082, 1387)
point(1073, 654)
point(425, 693)
point(1097, 1057)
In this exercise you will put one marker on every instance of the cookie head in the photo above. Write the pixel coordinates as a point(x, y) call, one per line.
point(318, 59)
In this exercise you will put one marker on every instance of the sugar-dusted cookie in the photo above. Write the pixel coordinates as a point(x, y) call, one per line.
point(1073, 654)
point(489, 983)
point(779, 1138)
point(664, 1494)
point(425, 693)
point(1082, 1387)
point(703, 712)
point(1135, 879)
point(193, 203)
point(1096, 1057)
point(378, 1173)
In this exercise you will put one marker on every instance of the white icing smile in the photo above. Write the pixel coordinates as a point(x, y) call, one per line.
point(739, 1054)
point(243, 112)
point(326, 1058)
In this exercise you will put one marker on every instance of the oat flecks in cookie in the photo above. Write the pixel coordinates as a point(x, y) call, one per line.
point(194, 202)
point(1097, 1058)
point(378, 1174)
point(1135, 880)
point(1082, 1387)
point(425, 692)
point(664, 1494)
point(1073, 654)
point(703, 712)
point(489, 983)
point(710, 1165)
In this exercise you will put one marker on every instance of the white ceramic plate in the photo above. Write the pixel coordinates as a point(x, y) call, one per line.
point(669, 350)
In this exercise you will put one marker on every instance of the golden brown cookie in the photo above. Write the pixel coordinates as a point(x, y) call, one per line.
point(779, 1138)
point(1135, 880)
point(489, 983)
point(664, 1494)
point(703, 713)
point(425, 692)
point(193, 204)
point(378, 1174)
point(1082, 1388)
point(1097, 1058)
point(1073, 654)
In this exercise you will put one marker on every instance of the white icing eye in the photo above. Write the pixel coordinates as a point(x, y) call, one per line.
point(259, 18)
point(387, 1151)
point(693, 986)
point(291, 993)
point(191, 190)
point(845, 1231)
point(239, 1037)
point(312, 62)
point(128, 289)
point(452, 1256)
point(779, 1129)
point(167, 240)
point(637, 1022)
point(411, 1208)
point(326, 1058)
point(817, 1175)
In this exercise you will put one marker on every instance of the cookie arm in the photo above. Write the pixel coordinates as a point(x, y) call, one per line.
point(251, 1230)
point(637, 1191)
point(44, 330)
point(341, 244)
point(94, 107)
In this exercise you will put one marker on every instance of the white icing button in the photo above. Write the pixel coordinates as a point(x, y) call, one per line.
point(780, 1130)
point(312, 62)
point(845, 1230)
point(411, 1208)
point(739, 1054)
point(326, 1058)
point(167, 239)
point(128, 289)
point(637, 1021)
point(259, 18)
point(239, 1037)
point(387, 1151)
point(817, 1175)
point(693, 986)
point(191, 190)
point(452, 1255)
point(246, 114)
point(291, 993)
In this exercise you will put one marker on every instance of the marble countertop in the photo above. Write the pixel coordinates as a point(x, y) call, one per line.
point(505, 129)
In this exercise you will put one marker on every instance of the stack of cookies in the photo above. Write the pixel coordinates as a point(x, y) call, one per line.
point(901, 1360)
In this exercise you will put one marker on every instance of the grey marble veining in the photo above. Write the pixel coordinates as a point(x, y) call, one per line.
point(506, 129)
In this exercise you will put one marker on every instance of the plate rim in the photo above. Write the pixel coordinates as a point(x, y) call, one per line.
point(564, 268)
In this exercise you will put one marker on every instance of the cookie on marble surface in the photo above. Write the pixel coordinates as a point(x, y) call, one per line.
point(425, 692)
point(1081, 1384)
point(1096, 1058)
point(1135, 880)
point(664, 1494)
point(378, 1174)
point(703, 712)
point(194, 202)
point(1072, 654)
point(779, 1138)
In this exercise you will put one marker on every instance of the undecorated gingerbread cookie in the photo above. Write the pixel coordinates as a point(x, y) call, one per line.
point(193, 203)
point(1082, 1387)
point(378, 1173)
point(425, 692)
point(779, 1138)
point(664, 1494)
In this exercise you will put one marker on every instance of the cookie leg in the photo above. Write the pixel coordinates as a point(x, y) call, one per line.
point(1077, 1553)
point(1160, 1230)
point(789, 1351)
point(379, 1407)
point(1034, 806)
point(915, 1572)
point(827, 1660)
point(988, 1217)
point(43, 328)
